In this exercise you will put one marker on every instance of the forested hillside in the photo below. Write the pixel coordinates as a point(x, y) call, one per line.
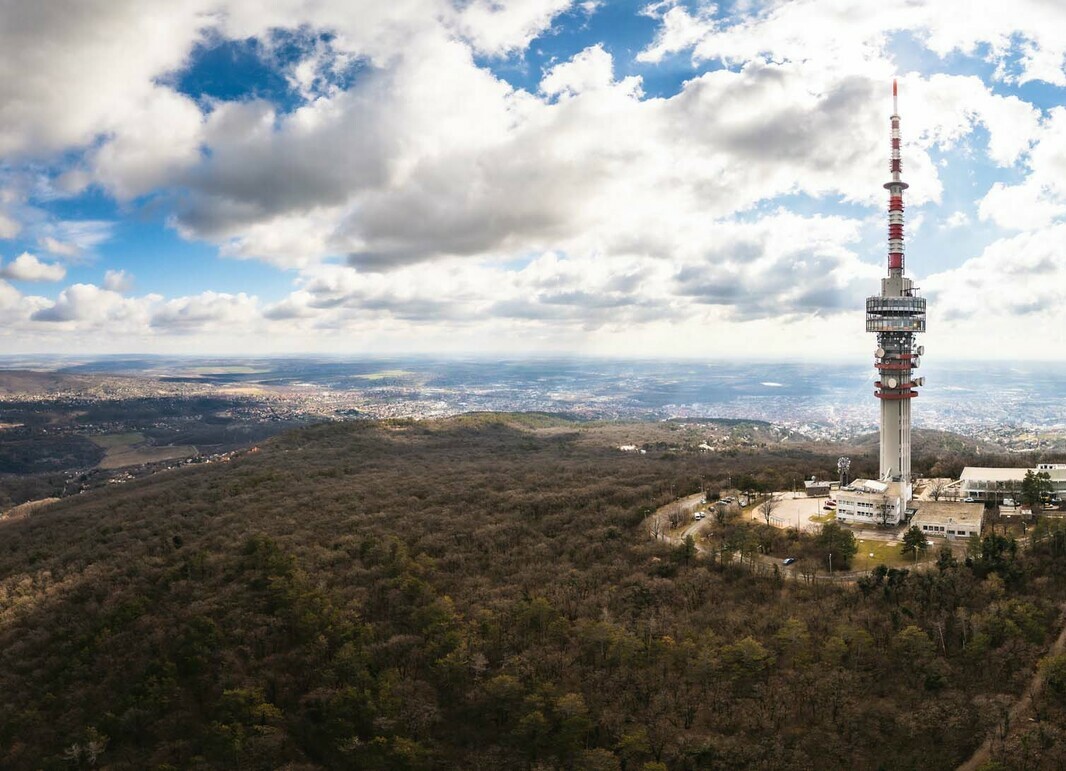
point(477, 593)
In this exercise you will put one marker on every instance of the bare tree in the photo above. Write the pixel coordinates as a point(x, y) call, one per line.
point(884, 510)
point(938, 487)
point(655, 526)
point(767, 508)
point(676, 516)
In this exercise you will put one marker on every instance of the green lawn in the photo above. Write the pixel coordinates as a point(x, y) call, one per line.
point(112, 441)
point(886, 553)
point(385, 374)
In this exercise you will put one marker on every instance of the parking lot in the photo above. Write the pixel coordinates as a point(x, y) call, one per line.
point(794, 510)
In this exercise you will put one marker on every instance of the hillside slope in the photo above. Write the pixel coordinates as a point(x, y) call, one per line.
point(471, 594)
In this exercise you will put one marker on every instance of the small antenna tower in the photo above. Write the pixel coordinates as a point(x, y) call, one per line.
point(844, 468)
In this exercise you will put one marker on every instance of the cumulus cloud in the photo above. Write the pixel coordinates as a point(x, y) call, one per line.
point(209, 310)
point(1013, 289)
point(1026, 40)
point(1040, 198)
point(87, 306)
point(591, 69)
point(26, 267)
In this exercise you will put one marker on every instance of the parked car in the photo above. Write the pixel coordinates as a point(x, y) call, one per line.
point(968, 500)
point(698, 516)
point(788, 560)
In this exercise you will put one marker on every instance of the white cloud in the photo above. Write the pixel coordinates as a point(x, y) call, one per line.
point(71, 239)
point(9, 227)
point(159, 137)
point(206, 311)
point(591, 69)
point(84, 67)
point(956, 219)
point(87, 306)
point(681, 30)
point(499, 28)
point(118, 281)
point(26, 267)
point(1004, 303)
point(1040, 198)
point(1025, 39)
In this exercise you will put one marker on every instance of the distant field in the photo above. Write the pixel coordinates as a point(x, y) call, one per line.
point(385, 374)
point(117, 441)
point(134, 456)
point(236, 369)
point(131, 449)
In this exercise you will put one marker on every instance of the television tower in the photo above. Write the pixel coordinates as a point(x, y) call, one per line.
point(896, 315)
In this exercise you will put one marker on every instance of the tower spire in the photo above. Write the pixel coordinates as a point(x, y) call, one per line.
point(895, 189)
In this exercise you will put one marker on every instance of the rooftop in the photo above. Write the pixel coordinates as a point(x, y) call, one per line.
point(992, 474)
point(872, 486)
point(941, 512)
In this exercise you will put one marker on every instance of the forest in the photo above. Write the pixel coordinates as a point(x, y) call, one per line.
point(479, 593)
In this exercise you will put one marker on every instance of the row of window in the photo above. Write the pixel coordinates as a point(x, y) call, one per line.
point(941, 529)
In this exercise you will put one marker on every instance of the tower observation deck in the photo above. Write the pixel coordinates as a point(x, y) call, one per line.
point(896, 315)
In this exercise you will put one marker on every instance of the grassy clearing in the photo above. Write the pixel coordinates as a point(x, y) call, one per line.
point(385, 374)
point(135, 456)
point(825, 516)
point(117, 441)
point(236, 369)
point(132, 449)
point(885, 553)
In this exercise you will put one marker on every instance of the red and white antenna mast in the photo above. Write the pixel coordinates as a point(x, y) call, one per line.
point(895, 189)
point(896, 315)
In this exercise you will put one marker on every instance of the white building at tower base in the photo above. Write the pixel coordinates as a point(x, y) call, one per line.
point(873, 502)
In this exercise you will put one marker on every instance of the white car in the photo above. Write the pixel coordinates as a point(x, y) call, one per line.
point(698, 516)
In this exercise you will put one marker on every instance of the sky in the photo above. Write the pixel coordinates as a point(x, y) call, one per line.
point(602, 177)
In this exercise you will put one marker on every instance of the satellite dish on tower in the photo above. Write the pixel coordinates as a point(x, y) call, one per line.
point(880, 353)
point(891, 382)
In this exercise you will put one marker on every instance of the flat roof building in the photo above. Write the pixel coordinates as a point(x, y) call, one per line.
point(816, 488)
point(948, 519)
point(871, 502)
point(993, 484)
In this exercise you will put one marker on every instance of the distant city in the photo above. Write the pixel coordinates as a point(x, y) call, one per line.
point(1022, 406)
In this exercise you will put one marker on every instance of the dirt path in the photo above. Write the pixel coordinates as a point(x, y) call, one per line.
point(676, 536)
point(1017, 712)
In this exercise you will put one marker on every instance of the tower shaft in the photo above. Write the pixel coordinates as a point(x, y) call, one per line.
point(896, 315)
